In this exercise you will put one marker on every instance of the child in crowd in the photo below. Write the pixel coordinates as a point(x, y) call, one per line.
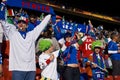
point(97, 62)
point(48, 60)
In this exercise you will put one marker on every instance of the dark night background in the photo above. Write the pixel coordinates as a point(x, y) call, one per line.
point(107, 7)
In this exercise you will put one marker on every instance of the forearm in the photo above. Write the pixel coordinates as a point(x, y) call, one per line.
point(39, 28)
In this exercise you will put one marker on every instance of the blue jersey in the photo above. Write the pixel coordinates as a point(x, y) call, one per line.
point(113, 50)
point(70, 55)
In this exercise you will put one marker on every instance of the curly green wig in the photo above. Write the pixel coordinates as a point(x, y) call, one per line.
point(45, 44)
point(96, 43)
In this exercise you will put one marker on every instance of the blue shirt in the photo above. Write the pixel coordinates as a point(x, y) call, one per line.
point(71, 54)
point(113, 50)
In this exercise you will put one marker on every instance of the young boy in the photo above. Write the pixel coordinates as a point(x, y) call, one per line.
point(48, 60)
point(97, 62)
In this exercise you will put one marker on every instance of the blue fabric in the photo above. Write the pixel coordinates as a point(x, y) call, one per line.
point(23, 34)
point(23, 75)
point(63, 26)
point(98, 73)
point(72, 26)
point(57, 32)
point(83, 76)
point(2, 11)
point(113, 47)
point(71, 54)
point(95, 60)
point(30, 5)
point(24, 14)
point(31, 26)
point(0, 58)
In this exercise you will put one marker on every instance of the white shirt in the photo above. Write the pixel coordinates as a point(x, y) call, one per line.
point(22, 51)
point(50, 70)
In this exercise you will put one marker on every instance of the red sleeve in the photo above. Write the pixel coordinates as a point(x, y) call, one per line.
point(48, 61)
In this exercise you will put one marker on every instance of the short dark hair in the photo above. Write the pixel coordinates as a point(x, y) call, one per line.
point(113, 35)
point(22, 21)
point(67, 34)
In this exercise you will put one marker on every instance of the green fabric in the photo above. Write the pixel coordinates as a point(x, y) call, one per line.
point(80, 42)
point(45, 44)
point(60, 51)
point(9, 20)
point(45, 79)
point(96, 43)
point(99, 62)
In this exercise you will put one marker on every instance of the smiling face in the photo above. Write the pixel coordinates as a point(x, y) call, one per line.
point(22, 25)
point(97, 50)
point(68, 39)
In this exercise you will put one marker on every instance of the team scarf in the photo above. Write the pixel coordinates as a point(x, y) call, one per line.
point(99, 62)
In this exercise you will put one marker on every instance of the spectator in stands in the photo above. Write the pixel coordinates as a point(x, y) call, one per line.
point(16, 18)
point(48, 34)
point(71, 71)
point(32, 22)
point(22, 48)
point(114, 52)
point(48, 59)
point(97, 62)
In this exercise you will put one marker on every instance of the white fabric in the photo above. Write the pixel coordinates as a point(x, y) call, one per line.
point(50, 70)
point(22, 51)
point(61, 41)
point(112, 52)
point(84, 38)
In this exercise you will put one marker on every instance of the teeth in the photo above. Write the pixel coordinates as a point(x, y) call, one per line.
point(21, 28)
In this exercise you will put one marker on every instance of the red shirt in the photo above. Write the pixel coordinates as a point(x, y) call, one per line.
point(86, 47)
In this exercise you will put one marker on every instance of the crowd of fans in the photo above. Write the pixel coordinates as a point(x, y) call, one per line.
point(93, 55)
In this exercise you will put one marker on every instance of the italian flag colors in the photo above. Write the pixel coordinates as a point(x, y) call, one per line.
point(10, 12)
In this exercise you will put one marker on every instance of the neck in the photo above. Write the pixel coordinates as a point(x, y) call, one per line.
point(114, 40)
point(22, 29)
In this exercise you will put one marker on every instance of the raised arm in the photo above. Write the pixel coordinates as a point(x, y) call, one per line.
point(39, 28)
point(7, 28)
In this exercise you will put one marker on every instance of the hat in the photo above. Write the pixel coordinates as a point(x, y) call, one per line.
point(45, 44)
point(58, 17)
point(96, 44)
point(23, 19)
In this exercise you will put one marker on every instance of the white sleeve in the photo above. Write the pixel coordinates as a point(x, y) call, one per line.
point(42, 62)
point(8, 28)
point(39, 28)
point(56, 53)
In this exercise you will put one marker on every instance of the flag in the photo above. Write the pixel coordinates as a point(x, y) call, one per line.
point(2, 10)
point(10, 12)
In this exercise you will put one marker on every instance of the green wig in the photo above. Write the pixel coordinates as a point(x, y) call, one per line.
point(45, 44)
point(96, 43)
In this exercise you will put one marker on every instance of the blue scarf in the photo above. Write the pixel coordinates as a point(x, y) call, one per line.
point(23, 34)
point(97, 61)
